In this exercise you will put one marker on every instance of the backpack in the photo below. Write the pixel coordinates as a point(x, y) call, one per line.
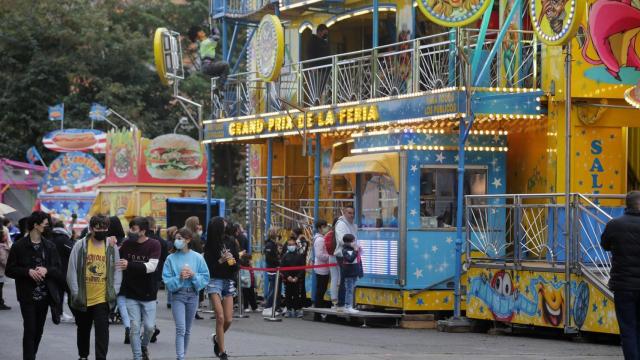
point(330, 242)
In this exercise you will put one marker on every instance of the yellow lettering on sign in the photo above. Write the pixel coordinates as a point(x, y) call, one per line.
point(329, 120)
point(320, 119)
point(357, 114)
point(289, 125)
point(349, 115)
point(373, 114)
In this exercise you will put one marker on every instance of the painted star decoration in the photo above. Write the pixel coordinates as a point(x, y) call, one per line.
point(413, 212)
point(497, 183)
point(440, 158)
point(414, 168)
point(434, 248)
point(418, 273)
point(449, 240)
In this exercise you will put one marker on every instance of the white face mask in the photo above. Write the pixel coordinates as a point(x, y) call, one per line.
point(199, 232)
point(291, 248)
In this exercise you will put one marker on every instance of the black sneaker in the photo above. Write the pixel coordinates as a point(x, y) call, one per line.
point(145, 353)
point(216, 347)
point(154, 337)
point(223, 356)
point(198, 317)
point(3, 306)
point(126, 336)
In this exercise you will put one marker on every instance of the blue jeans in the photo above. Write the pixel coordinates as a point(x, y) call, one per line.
point(142, 315)
point(271, 285)
point(184, 304)
point(628, 313)
point(349, 288)
point(122, 309)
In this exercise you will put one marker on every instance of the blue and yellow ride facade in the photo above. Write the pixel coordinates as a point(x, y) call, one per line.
point(411, 94)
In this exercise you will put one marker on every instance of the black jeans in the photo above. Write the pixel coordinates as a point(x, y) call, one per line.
point(98, 316)
point(341, 289)
point(292, 296)
point(322, 281)
point(215, 69)
point(34, 315)
point(249, 298)
point(628, 314)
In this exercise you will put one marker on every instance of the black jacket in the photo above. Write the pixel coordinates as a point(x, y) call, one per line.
point(19, 264)
point(292, 259)
point(621, 236)
point(271, 256)
point(350, 265)
point(213, 255)
point(318, 48)
point(64, 244)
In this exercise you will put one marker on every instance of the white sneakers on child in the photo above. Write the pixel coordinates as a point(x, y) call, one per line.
point(350, 310)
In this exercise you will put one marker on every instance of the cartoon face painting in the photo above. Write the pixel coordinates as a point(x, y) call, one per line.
point(551, 303)
point(502, 285)
point(555, 13)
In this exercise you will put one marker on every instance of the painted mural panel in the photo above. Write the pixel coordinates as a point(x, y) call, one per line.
point(538, 299)
point(599, 160)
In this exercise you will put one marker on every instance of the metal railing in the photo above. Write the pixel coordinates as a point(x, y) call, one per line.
point(529, 230)
point(237, 8)
point(402, 68)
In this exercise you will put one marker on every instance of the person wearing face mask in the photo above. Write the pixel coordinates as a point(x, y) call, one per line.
point(35, 265)
point(185, 273)
point(321, 257)
point(139, 258)
point(94, 281)
point(292, 279)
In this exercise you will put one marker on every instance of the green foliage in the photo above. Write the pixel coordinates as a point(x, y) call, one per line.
point(79, 52)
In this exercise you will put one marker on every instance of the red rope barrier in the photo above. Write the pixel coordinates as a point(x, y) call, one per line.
point(289, 268)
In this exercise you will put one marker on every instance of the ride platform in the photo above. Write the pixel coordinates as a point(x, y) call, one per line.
point(363, 316)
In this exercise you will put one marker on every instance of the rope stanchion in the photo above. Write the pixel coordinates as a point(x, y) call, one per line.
point(241, 314)
point(276, 290)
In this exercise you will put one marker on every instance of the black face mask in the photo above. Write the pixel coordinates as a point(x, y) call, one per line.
point(325, 37)
point(133, 236)
point(100, 235)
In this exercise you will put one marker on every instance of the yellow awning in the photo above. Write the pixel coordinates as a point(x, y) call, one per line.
point(381, 163)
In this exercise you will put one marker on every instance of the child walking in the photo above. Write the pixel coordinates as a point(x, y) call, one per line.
point(292, 279)
point(248, 282)
point(350, 270)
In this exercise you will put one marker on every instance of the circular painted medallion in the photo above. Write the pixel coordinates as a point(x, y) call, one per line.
point(270, 47)
point(453, 13)
point(556, 21)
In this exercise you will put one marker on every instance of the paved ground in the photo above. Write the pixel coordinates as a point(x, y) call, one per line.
point(255, 338)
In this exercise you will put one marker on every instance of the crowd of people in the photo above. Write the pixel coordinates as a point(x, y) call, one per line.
point(104, 273)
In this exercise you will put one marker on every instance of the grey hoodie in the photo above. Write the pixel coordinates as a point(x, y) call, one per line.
point(76, 275)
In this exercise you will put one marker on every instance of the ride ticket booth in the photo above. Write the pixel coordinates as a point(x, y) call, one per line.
point(405, 203)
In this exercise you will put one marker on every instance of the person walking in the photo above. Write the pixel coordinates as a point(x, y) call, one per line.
point(61, 237)
point(154, 234)
point(34, 264)
point(221, 255)
point(193, 223)
point(5, 247)
point(621, 236)
point(93, 281)
point(293, 279)
point(345, 225)
point(139, 258)
point(185, 273)
point(272, 261)
point(321, 257)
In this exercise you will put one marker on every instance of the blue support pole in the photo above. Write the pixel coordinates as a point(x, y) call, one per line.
point(225, 48)
point(459, 212)
point(316, 206)
point(209, 172)
point(269, 185)
point(267, 223)
point(477, 53)
point(375, 24)
point(452, 57)
point(498, 42)
point(233, 41)
point(243, 51)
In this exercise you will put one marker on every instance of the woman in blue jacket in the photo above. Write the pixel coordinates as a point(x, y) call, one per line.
point(185, 273)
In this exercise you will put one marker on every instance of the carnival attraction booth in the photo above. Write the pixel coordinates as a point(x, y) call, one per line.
point(141, 174)
point(69, 186)
point(19, 186)
point(483, 144)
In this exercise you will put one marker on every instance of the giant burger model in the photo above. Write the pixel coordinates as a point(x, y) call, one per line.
point(174, 156)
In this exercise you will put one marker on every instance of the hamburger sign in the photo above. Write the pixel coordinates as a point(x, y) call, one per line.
point(166, 159)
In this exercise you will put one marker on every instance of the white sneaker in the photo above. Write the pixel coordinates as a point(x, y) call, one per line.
point(352, 310)
point(247, 310)
point(66, 318)
point(266, 312)
point(340, 309)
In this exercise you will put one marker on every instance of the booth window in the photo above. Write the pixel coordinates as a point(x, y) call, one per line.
point(439, 193)
point(379, 202)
